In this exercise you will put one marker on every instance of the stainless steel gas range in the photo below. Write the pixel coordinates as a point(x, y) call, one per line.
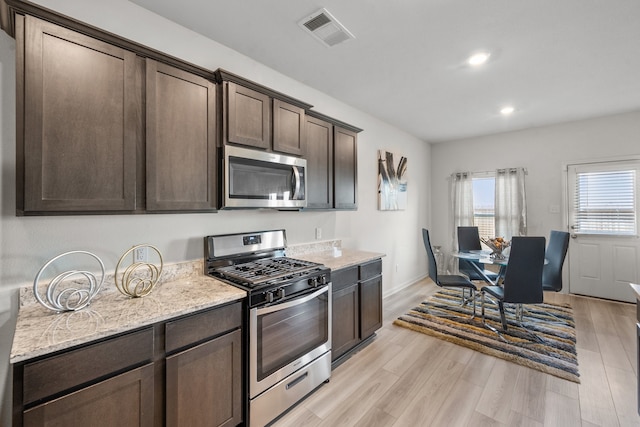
point(288, 315)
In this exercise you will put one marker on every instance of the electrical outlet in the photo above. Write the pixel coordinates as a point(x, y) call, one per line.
point(318, 233)
point(141, 254)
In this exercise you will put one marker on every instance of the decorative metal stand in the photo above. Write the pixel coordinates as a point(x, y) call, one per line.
point(65, 292)
point(139, 278)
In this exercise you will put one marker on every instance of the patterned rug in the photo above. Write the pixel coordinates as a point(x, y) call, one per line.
point(552, 323)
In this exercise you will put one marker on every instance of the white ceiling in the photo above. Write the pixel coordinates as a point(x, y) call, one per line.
point(554, 60)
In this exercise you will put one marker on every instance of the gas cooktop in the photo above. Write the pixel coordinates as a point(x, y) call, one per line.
point(266, 271)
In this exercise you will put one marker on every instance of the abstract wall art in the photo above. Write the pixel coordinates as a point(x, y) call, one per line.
point(392, 181)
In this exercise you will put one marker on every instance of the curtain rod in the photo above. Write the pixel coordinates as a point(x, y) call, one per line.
point(488, 173)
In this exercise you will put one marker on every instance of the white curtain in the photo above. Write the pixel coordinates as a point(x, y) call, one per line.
point(510, 203)
point(461, 207)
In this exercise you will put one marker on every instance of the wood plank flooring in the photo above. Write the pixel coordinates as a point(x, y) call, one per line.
point(404, 378)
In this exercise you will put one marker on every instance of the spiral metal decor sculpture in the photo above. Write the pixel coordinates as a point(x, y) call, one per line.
point(139, 278)
point(66, 292)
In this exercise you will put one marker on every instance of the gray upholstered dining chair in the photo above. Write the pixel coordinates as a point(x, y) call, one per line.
point(555, 256)
point(449, 280)
point(522, 281)
point(469, 240)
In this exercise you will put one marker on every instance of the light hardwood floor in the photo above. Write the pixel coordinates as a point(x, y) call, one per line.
point(404, 378)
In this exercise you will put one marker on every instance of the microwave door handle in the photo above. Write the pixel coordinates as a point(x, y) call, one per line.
point(296, 190)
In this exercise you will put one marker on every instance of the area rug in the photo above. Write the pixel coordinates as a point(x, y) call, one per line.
point(552, 324)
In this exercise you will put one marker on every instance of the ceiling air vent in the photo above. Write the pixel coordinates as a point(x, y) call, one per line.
point(325, 28)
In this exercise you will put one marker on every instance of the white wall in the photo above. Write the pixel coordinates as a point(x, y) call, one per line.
point(28, 242)
point(542, 151)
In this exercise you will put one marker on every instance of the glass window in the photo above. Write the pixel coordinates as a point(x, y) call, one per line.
point(484, 206)
point(604, 198)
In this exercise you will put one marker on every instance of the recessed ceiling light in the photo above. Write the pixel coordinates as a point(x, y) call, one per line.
point(478, 58)
point(507, 110)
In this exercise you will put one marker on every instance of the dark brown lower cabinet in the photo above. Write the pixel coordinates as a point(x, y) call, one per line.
point(124, 400)
point(370, 306)
point(185, 371)
point(204, 384)
point(345, 330)
point(357, 306)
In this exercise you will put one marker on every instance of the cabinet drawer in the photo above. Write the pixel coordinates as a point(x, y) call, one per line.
point(76, 367)
point(371, 269)
point(344, 277)
point(200, 326)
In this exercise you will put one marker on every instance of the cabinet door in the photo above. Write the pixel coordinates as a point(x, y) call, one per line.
point(345, 324)
point(288, 128)
point(124, 400)
point(319, 155)
point(345, 169)
point(370, 306)
point(204, 384)
point(247, 116)
point(81, 120)
point(181, 144)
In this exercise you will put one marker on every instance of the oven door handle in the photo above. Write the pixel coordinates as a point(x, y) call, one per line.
point(292, 303)
point(296, 190)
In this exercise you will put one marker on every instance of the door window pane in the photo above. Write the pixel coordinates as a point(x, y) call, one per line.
point(605, 199)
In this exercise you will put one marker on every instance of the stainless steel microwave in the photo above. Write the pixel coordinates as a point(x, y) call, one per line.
point(259, 179)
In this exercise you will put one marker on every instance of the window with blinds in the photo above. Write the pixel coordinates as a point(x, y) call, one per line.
point(484, 206)
point(605, 199)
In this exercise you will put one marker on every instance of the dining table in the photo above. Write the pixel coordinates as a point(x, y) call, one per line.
point(479, 257)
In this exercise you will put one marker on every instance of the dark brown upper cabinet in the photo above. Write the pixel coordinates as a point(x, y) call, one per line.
point(345, 182)
point(78, 121)
point(180, 140)
point(247, 116)
point(288, 128)
point(105, 125)
point(259, 117)
point(331, 163)
point(319, 155)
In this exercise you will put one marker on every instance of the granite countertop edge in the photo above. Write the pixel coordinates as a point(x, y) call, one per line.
point(342, 258)
point(40, 331)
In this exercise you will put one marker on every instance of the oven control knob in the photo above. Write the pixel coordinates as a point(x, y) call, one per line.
point(281, 293)
point(323, 279)
point(313, 282)
point(268, 296)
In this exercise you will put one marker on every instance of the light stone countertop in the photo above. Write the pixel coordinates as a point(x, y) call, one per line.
point(636, 290)
point(40, 331)
point(347, 257)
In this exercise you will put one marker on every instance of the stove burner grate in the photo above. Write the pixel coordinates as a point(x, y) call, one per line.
point(264, 270)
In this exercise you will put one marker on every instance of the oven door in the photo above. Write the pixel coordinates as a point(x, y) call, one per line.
point(258, 179)
point(286, 336)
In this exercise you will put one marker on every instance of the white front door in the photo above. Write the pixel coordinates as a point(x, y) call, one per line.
point(604, 251)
